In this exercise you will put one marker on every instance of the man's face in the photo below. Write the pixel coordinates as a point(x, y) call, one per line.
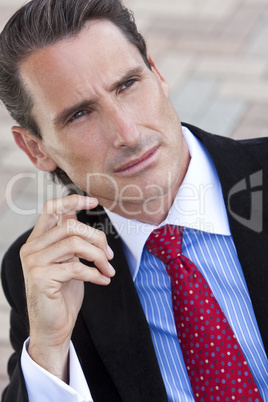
point(105, 117)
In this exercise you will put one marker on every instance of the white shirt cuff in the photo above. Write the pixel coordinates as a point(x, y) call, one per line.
point(42, 386)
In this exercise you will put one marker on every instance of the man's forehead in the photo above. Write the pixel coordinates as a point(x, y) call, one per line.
point(100, 39)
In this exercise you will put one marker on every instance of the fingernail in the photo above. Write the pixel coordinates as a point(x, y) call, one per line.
point(111, 269)
point(91, 200)
point(105, 279)
point(110, 252)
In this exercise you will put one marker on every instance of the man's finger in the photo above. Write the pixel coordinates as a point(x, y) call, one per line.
point(71, 227)
point(54, 210)
point(65, 272)
point(66, 250)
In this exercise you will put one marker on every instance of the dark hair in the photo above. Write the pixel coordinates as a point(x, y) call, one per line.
point(40, 23)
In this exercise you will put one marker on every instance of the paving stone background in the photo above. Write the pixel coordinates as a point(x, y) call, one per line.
point(214, 55)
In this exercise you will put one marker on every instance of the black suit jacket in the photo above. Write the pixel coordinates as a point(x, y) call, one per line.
point(111, 335)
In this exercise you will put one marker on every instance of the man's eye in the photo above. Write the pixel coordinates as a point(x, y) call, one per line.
point(77, 115)
point(127, 84)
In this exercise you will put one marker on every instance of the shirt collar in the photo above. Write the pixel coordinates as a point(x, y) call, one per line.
point(198, 205)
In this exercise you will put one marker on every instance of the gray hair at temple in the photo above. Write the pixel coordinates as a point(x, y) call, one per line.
point(41, 23)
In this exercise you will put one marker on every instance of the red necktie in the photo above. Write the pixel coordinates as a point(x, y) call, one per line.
point(215, 363)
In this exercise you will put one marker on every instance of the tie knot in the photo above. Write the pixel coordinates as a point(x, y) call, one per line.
point(165, 242)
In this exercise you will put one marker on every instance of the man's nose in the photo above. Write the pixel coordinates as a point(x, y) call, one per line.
point(124, 129)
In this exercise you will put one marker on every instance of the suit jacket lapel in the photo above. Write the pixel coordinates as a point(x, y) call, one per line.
point(241, 174)
point(118, 327)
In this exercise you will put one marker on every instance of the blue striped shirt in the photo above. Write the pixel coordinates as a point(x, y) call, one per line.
point(198, 206)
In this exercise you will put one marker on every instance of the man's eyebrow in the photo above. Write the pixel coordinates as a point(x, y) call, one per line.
point(134, 72)
point(61, 118)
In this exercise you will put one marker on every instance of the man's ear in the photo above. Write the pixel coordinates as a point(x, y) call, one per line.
point(34, 149)
point(162, 80)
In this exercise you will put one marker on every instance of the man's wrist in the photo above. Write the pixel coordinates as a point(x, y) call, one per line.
point(43, 386)
point(55, 360)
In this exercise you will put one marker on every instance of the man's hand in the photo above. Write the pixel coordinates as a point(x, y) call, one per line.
point(54, 277)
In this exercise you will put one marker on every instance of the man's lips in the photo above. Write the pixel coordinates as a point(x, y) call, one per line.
point(138, 163)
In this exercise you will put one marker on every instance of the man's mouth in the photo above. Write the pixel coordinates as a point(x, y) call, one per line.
point(139, 163)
